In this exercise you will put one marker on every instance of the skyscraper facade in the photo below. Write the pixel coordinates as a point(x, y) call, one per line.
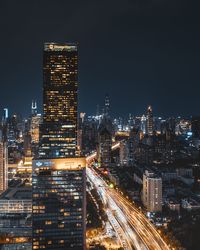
point(60, 75)
point(59, 202)
point(104, 143)
point(149, 121)
point(107, 106)
point(35, 123)
point(59, 192)
point(34, 108)
point(3, 166)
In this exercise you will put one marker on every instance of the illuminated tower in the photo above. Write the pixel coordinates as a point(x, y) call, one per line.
point(3, 165)
point(35, 123)
point(5, 116)
point(149, 121)
point(60, 75)
point(59, 203)
point(143, 124)
point(59, 176)
point(34, 108)
point(107, 106)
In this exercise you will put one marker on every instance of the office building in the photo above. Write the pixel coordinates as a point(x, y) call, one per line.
point(149, 121)
point(152, 192)
point(59, 202)
point(58, 179)
point(3, 167)
point(143, 125)
point(5, 116)
point(34, 108)
point(107, 106)
point(35, 123)
point(59, 127)
point(104, 143)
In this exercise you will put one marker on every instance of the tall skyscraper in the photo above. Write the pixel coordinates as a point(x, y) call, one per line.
point(59, 192)
point(149, 121)
point(107, 106)
point(5, 116)
point(143, 125)
point(34, 108)
point(105, 143)
point(3, 165)
point(60, 75)
point(35, 123)
point(132, 144)
point(59, 203)
point(152, 192)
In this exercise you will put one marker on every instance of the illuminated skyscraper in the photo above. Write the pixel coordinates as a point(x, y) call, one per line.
point(3, 165)
point(59, 192)
point(34, 108)
point(35, 122)
point(107, 106)
point(60, 76)
point(149, 121)
point(105, 143)
point(59, 203)
point(5, 116)
point(143, 124)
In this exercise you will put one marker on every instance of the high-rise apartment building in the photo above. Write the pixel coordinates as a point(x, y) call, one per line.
point(60, 75)
point(152, 192)
point(59, 192)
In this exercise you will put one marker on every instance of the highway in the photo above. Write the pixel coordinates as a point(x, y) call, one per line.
point(133, 229)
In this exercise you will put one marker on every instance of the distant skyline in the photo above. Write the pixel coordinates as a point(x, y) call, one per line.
point(139, 53)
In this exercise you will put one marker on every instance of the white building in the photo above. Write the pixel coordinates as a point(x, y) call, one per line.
point(152, 192)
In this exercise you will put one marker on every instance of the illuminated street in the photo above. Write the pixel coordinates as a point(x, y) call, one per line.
point(132, 228)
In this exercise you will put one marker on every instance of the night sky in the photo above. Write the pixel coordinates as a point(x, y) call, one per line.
point(139, 52)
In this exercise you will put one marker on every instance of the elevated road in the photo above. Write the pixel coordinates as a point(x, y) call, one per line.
point(133, 229)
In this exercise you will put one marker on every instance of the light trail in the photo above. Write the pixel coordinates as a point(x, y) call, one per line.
point(91, 157)
point(133, 229)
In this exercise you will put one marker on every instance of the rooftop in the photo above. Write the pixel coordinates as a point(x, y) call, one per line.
point(60, 47)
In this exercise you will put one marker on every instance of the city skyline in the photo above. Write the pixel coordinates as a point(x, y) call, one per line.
point(161, 56)
point(82, 175)
point(100, 125)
